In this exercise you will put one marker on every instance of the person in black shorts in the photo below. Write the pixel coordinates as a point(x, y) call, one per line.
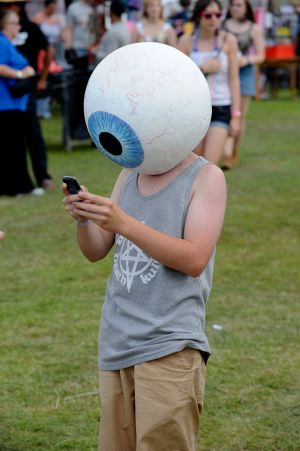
point(214, 51)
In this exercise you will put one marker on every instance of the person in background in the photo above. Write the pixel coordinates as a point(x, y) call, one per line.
point(117, 36)
point(52, 24)
point(133, 9)
point(82, 23)
point(14, 175)
point(30, 47)
point(29, 41)
point(152, 27)
point(180, 18)
point(100, 20)
point(296, 6)
point(2, 235)
point(241, 23)
point(35, 6)
point(215, 53)
point(54, 27)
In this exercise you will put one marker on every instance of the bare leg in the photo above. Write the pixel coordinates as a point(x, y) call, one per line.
point(214, 144)
point(240, 137)
point(228, 150)
point(232, 146)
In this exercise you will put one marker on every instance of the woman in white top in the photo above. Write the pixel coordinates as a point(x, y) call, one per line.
point(215, 53)
point(152, 27)
point(54, 26)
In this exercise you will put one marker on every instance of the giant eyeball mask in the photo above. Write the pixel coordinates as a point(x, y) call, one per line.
point(147, 106)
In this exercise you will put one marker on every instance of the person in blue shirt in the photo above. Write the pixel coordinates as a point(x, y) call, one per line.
point(29, 42)
point(14, 175)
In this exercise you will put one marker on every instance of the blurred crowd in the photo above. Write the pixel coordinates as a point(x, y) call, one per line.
point(40, 39)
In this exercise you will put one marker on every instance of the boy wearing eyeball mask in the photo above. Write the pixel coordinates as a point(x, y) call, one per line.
point(164, 226)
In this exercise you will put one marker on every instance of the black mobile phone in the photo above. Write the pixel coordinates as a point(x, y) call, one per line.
point(72, 184)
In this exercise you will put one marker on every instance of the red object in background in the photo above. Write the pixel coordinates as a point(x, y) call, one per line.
point(54, 68)
point(281, 51)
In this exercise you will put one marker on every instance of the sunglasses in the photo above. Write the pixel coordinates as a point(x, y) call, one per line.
point(210, 15)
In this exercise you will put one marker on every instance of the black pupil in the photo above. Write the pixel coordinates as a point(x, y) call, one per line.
point(110, 143)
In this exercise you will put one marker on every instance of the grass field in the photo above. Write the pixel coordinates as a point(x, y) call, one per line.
point(51, 303)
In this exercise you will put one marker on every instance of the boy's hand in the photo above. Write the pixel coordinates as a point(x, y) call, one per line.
point(69, 200)
point(101, 210)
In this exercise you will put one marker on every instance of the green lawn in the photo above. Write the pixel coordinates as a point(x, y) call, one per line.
point(51, 303)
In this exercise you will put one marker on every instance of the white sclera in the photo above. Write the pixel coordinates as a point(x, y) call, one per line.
point(160, 94)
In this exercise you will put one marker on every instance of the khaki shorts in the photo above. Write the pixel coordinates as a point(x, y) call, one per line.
point(153, 406)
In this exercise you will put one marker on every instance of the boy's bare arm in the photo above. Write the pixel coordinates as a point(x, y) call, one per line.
point(203, 224)
point(94, 241)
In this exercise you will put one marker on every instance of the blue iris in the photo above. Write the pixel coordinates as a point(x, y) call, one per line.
point(116, 139)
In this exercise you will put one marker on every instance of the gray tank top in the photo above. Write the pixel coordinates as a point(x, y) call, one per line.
point(150, 310)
